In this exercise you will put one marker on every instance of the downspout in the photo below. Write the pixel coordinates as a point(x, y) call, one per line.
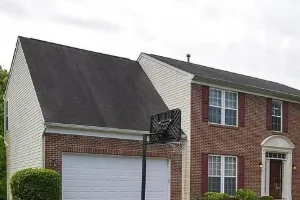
point(43, 156)
point(6, 146)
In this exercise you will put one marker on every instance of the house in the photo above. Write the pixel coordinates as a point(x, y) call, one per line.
point(83, 114)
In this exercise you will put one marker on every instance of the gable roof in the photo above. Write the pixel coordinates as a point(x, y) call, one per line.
point(76, 86)
point(201, 72)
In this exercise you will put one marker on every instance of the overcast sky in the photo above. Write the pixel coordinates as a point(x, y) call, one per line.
point(256, 38)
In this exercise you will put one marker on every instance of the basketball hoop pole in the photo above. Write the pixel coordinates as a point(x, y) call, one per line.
point(143, 191)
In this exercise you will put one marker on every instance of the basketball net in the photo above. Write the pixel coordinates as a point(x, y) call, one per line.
point(177, 146)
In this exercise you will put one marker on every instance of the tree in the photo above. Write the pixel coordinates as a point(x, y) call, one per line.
point(3, 80)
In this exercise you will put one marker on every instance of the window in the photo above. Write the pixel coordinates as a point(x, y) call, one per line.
point(276, 155)
point(6, 115)
point(222, 174)
point(276, 115)
point(222, 107)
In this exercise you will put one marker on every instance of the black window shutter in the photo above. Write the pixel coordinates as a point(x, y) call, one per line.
point(242, 109)
point(269, 114)
point(204, 173)
point(285, 116)
point(205, 103)
point(241, 167)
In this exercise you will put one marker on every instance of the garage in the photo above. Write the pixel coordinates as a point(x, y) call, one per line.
point(91, 177)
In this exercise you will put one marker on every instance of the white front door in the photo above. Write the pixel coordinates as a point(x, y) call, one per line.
point(112, 178)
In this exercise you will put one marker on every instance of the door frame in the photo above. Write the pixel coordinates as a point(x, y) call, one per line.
point(287, 174)
point(277, 144)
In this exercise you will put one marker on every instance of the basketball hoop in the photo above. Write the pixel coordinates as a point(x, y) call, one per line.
point(178, 146)
point(165, 128)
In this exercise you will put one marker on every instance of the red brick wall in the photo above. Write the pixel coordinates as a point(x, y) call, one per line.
point(243, 141)
point(56, 144)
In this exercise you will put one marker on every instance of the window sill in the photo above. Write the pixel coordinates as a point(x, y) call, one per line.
point(223, 126)
point(277, 132)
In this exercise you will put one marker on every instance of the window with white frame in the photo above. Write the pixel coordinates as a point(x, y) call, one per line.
point(6, 115)
point(223, 107)
point(280, 156)
point(222, 174)
point(276, 115)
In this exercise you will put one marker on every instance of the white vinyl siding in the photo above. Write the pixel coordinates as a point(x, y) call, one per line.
point(223, 107)
point(24, 136)
point(174, 87)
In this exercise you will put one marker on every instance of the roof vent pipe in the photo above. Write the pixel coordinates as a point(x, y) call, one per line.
point(188, 57)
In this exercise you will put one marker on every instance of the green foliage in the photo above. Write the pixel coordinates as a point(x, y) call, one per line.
point(245, 194)
point(196, 197)
point(37, 184)
point(266, 198)
point(216, 196)
point(3, 80)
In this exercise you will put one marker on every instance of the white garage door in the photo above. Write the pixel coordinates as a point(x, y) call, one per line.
point(112, 178)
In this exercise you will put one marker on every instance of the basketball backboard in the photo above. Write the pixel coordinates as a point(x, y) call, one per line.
point(165, 127)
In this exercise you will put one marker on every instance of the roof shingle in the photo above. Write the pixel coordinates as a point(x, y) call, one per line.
point(203, 71)
point(76, 86)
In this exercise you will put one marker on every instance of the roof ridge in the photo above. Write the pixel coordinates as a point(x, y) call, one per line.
point(199, 65)
point(76, 48)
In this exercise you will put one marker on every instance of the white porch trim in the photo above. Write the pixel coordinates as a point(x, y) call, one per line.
point(278, 144)
point(95, 131)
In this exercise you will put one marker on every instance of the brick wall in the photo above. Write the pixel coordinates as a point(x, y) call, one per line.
point(243, 141)
point(56, 144)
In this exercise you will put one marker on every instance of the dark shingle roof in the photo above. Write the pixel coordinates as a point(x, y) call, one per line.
point(76, 86)
point(203, 71)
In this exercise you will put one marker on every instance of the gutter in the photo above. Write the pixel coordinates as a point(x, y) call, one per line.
point(4, 132)
point(246, 88)
point(94, 128)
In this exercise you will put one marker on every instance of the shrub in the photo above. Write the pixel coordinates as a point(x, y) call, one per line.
point(37, 184)
point(245, 194)
point(216, 196)
point(196, 197)
point(266, 198)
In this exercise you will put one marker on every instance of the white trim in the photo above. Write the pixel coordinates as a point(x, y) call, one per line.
point(222, 175)
point(17, 48)
point(280, 144)
point(222, 86)
point(223, 106)
point(18, 43)
point(94, 131)
point(191, 76)
point(44, 151)
point(6, 115)
point(281, 111)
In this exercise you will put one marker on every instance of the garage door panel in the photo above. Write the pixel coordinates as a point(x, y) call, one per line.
point(112, 177)
point(70, 195)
